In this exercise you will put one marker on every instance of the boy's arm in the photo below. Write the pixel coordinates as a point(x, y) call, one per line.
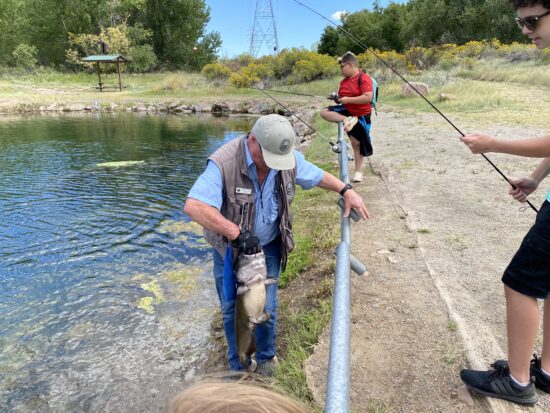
point(357, 100)
point(534, 147)
point(542, 170)
point(525, 186)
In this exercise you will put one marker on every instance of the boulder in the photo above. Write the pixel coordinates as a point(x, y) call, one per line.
point(220, 107)
point(202, 108)
point(75, 107)
point(261, 108)
point(174, 104)
point(446, 96)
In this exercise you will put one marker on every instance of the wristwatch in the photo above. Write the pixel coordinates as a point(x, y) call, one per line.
point(345, 189)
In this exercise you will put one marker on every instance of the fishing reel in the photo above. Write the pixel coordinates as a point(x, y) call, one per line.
point(334, 97)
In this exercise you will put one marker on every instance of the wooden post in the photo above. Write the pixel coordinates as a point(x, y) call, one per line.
point(119, 80)
point(99, 77)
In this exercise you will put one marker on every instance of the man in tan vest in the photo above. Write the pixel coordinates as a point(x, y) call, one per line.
point(243, 200)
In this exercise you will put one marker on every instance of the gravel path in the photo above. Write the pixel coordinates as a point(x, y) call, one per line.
point(442, 231)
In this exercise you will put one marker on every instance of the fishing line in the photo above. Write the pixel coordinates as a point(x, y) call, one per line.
point(368, 49)
point(288, 92)
point(290, 111)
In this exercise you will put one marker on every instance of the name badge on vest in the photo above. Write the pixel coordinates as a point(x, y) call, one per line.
point(246, 191)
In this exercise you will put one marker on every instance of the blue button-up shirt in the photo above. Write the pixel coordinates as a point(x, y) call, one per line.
point(208, 189)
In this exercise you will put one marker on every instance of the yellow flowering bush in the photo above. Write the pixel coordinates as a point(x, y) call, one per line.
point(216, 71)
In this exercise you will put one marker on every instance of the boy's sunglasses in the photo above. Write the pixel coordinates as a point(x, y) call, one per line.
point(531, 22)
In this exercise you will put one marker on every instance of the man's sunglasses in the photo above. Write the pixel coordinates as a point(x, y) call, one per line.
point(531, 22)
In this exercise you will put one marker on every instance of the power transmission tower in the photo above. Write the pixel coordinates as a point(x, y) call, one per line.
point(264, 31)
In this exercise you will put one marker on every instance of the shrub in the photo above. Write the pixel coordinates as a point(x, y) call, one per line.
point(250, 75)
point(143, 58)
point(216, 71)
point(448, 60)
point(395, 60)
point(303, 71)
point(24, 56)
point(472, 49)
point(545, 56)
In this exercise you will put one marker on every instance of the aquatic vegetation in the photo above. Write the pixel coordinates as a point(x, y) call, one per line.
point(147, 304)
point(119, 164)
point(177, 227)
point(185, 280)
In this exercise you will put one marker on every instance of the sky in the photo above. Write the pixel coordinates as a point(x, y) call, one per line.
point(296, 26)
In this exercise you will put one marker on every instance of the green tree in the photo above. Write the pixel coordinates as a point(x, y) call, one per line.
point(329, 42)
point(179, 37)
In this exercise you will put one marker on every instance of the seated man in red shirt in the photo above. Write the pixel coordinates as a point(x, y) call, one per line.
point(355, 97)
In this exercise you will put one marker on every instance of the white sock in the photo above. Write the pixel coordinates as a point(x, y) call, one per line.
point(519, 383)
point(545, 372)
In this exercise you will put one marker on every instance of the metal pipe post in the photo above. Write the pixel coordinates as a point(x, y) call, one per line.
point(338, 381)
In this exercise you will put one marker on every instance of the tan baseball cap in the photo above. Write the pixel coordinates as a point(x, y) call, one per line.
point(276, 137)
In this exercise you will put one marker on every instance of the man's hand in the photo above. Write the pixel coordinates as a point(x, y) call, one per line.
point(479, 143)
point(353, 200)
point(247, 243)
point(524, 187)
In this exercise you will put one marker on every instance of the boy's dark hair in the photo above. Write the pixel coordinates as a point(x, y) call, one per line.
point(349, 57)
point(516, 4)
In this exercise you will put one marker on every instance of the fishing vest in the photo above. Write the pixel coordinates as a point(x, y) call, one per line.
point(239, 197)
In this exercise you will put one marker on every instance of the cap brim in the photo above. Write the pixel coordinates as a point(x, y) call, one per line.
point(279, 162)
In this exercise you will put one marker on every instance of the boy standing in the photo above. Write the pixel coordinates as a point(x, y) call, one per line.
point(355, 97)
point(527, 277)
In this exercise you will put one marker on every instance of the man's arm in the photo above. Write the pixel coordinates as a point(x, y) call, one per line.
point(534, 147)
point(210, 218)
point(351, 198)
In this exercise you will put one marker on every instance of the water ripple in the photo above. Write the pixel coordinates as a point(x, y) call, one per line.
point(90, 317)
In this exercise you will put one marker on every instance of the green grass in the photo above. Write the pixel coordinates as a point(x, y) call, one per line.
point(303, 330)
point(492, 91)
point(525, 73)
point(316, 228)
point(378, 406)
point(452, 325)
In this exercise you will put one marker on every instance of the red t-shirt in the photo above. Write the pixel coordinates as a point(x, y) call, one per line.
point(349, 86)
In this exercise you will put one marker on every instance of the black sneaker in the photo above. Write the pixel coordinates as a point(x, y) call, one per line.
point(542, 381)
point(498, 383)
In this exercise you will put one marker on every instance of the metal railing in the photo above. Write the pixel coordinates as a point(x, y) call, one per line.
point(338, 382)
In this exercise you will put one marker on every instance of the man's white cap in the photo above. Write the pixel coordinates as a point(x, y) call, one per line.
point(276, 137)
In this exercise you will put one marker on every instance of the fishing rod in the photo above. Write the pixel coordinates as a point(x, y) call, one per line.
point(368, 49)
point(335, 147)
point(289, 92)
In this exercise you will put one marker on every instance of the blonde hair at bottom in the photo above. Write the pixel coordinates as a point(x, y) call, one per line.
point(223, 396)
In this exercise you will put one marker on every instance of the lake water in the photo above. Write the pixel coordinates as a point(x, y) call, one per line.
point(106, 296)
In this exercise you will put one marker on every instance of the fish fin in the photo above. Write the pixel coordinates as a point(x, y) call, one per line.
point(252, 365)
point(261, 319)
point(270, 281)
point(242, 289)
point(256, 278)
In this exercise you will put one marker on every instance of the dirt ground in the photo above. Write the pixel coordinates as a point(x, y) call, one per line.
point(442, 231)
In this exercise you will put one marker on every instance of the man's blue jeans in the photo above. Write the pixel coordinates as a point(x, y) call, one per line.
point(265, 332)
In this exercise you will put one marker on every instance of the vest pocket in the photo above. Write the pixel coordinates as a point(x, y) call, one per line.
point(273, 213)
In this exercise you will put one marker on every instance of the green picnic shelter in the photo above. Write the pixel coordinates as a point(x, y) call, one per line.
point(110, 58)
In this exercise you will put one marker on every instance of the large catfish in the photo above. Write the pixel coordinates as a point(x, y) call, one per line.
point(250, 306)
